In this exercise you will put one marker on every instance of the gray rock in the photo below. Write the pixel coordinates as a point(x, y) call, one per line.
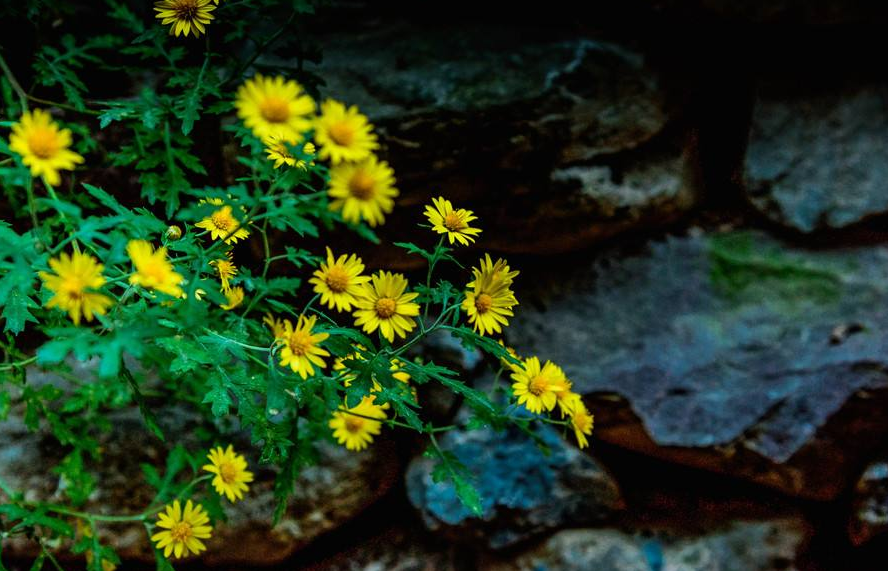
point(399, 549)
point(743, 546)
point(524, 492)
point(819, 160)
point(556, 130)
point(731, 352)
point(870, 513)
point(328, 494)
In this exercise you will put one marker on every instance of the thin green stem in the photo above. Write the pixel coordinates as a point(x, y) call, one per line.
point(17, 364)
point(230, 340)
point(16, 86)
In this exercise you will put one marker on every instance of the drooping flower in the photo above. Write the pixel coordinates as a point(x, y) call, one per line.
point(582, 421)
point(222, 224)
point(234, 297)
point(301, 351)
point(186, 16)
point(274, 107)
point(226, 270)
point(339, 281)
point(363, 191)
point(183, 530)
point(275, 324)
point(352, 427)
point(277, 151)
point(153, 269)
point(343, 134)
point(507, 364)
point(385, 305)
point(452, 222)
point(537, 387)
point(490, 300)
point(74, 285)
point(43, 146)
point(568, 401)
point(231, 473)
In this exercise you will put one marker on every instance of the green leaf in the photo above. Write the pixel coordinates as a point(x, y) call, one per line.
point(16, 312)
point(450, 469)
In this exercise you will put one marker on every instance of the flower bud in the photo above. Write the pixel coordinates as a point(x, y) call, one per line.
point(173, 232)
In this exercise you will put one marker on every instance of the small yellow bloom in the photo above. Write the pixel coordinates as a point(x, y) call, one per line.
point(363, 191)
point(343, 134)
point(182, 529)
point(43, 146)
point(274, 107)
point(301, 350)
point(276, 325)
point(384, 305)
point(453, 222)
point(339, 281)
point(277, 151)
point(506, 364)
point(490, 300)
point(568, 401)
point(537, 387)
point(186, 16)
point(234, 297)
point(226, 270)
point(153, 270)
point(222, 224)
point(582, 422)
point(352, 428)
point(74, 283)
point(231, 473)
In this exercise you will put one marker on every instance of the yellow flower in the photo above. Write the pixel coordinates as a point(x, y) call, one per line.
point(356, 432)
point(73, 283)
point(186, 16)
point(226, 270)
point(452, 222)
point(582, 422)
point(301, 351)
point(43, 146)
point(274, 106)
point(276, 325)
point(234, 297)
point(568, 401)
point(343, 134)
point(231, 473)
point(506, 364)
point(363, 191)
point(537, 387)
point(339, 281)
point(385, 306)
point(222, 224)
point(183, 530)
point(153, 270)
point(277, 151)
point(490, 300)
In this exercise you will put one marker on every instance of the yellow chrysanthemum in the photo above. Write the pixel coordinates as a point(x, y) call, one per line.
point(568, 401)
point(537, 387)
point(274, 107)
point(43, 146)
point(234, 297)
point(277, 151)
point(352, 428)
point(343, 134)
point(231, 473)
point(186, 16)
point(226, 270)
point(153, 269)
point(363, 191)
point(301, 351)
point(339, 281)
point(182, 529)
point(506, 364)
point(490, 300)
point(384, 305)
point(74, 283)
point(276, 325)
point(582, 422)
point(454, 222)
point(222, 224)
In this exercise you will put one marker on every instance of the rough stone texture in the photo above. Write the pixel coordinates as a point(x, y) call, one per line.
point(744, 546)
point(523, 491)
point(729, 352)
point(528, 126)
point(819, 160)
point(341, 485)
point(870, 516)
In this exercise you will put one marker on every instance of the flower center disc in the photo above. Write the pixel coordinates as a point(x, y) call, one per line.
point(385, 307)
point(483, 303)
point(353, 423)
point(337, 279)
point(538, 385)
point(274, 110)
point(221, 221)
point(454, 222)
point(186, 9)
point(342, 134)
point(361, 185)
point(181, 531)
point(43, 143)
point(228, 472)
point(299, 343)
